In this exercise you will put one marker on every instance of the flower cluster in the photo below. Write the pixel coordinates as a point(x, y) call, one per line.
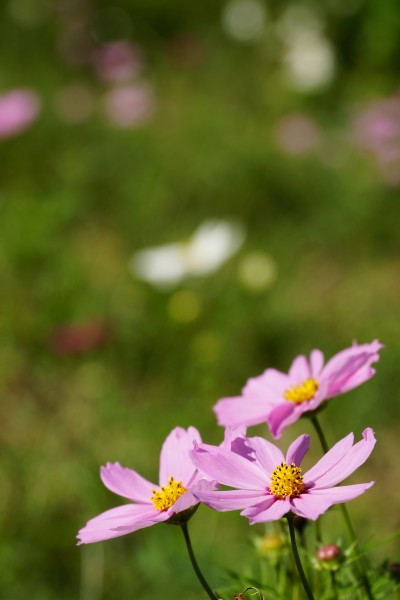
point(265, 484)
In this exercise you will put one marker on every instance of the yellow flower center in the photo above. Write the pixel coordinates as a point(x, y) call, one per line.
point(286, 481)
point(168, 495)
point(303, 392)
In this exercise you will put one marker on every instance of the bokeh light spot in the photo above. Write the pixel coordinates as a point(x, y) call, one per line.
point(184, 306)
point(257, 271)
point(244, 20)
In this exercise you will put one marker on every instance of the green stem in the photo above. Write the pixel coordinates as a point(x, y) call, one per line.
point(318, 532)
point(346, 517)
point(297, 558)
point(195, 566)
point(334, 588)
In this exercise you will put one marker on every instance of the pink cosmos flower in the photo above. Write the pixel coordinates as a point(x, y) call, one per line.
point(281, 399)
point(18, 109)
point(150, 503)
point(269, 485)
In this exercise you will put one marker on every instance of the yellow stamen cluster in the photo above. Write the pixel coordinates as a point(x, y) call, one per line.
point(168, 495)
point(303, 392)
point(286, 481)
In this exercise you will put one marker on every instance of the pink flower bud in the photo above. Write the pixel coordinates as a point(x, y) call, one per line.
point(328, 552)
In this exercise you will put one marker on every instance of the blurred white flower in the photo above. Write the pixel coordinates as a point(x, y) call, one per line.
point(244, 20)
point(211, 245)
point(308, 55)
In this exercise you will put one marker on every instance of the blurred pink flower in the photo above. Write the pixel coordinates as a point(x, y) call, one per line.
point(297, 134)
point(80, 337)
point(280, 399)
point(18, 109)
point(118, 61)
point(129, 105)
point(377, 130)
point(268, 485)
point(172, 500)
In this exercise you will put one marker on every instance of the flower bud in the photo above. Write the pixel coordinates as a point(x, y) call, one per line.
point(328, 552)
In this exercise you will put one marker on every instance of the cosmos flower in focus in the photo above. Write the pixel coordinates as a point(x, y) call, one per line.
point(268, 485)
point(211, 245)
point(18, 109)
point(172, 500)
point(280, 399)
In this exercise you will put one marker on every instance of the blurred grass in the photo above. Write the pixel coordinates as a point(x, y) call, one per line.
point(77, 201)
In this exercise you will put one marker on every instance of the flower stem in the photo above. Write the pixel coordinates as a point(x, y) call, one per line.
point(297, 558)
point(333, 584)
point(196, 567)
point(346, 517)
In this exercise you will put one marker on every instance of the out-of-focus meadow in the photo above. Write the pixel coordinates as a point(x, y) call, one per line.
point(129, 124)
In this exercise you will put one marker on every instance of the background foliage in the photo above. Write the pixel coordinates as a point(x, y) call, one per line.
point(79, 195)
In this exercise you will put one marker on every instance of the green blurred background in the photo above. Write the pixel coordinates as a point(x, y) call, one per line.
point(281, 117)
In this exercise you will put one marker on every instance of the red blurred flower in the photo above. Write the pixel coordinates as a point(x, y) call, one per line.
point(79, 338)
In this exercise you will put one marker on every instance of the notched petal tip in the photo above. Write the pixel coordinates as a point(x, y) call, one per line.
point(369, 434)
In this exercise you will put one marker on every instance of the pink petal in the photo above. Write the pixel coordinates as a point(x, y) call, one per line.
point(299, 370)
point(297, 450)
point(350, 368)
point(239, 410)
point(271, 383)
point(317, 363)
point(350, 461)
point(259, 396)
point(229, 468)
point(174, 460)
point(126, 483)
point(119, 521)
point(189, 498)
point(267, 455)
point(268, 510)
point(329, 460)
point(183, 503)
point(236, 441)
point(230, 499)
point(231, 434)
point(316, 502)
point(283, 415)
